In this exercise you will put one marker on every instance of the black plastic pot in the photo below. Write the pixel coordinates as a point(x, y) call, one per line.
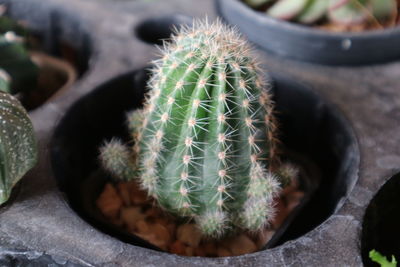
point(381, 223)
point(56, 76)
point(309, 44)
point(155, 30)
point(310, 128)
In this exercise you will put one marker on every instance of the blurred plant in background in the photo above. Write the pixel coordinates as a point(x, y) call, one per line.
point(334, 15)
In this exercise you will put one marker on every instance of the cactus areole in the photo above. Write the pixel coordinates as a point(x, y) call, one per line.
point(205, 140)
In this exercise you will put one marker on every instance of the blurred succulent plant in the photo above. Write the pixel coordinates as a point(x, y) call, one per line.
point(18, 151)
point(14, 57)
point(7, 24)
point(333, 12)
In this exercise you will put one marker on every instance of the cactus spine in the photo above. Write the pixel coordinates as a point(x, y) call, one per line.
point(205, 142)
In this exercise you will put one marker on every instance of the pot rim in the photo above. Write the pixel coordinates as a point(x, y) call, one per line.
point(42, 59)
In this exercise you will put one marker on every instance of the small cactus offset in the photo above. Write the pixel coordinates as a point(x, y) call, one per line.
point(205, 143)
point(17, 142)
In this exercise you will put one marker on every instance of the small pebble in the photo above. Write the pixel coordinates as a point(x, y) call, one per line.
point(226, 242)
point(137, 196)
point(171, 228)
point(130, 216)
point(189, 251)
point(242, 244)
point(153, 212)
point(152, 238)
point(189, 234)
point(161, 232)
point(178, 248)
point(199, 251)
point(117, 221)
point(210, 249)
point(109, 202)
point(146, 237)
point(154, 233)
point(142, 227)
point(162, 220)
point(154, 226)
point(263, 238)
point(123, 190)
point(223, 252)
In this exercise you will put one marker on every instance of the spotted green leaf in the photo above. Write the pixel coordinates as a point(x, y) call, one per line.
point(18, 152)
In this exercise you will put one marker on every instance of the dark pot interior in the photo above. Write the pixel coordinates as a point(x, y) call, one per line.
point(156, 30)
point(309, 127)
point(380, 229)
point(309, 44)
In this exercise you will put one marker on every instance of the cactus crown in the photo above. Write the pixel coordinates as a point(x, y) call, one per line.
point(337, 14)
point(205, 141)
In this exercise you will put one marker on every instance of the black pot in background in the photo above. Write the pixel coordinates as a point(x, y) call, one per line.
point(309, 44)
point(309, 127)
point(380, 229)
point(56, 76)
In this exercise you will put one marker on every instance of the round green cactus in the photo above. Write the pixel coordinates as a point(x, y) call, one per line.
point(205, 143)
point(18, 151)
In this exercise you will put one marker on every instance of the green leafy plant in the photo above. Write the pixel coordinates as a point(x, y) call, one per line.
point(18, 151)
point(368, 13)
point(205, 143)
point(382, 260)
